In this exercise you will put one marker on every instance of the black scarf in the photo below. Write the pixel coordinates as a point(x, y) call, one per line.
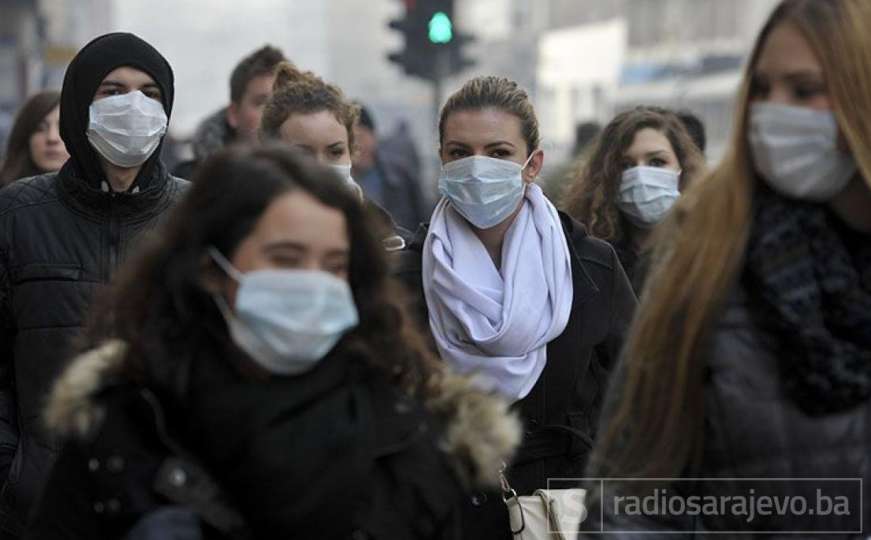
point(813, 274)
point(83, 76)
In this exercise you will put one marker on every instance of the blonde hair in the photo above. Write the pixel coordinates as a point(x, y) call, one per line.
point(655, 419)
point(303, 92)
point(498, 93)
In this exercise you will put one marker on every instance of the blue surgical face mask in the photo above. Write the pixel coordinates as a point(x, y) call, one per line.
point(287, 320)
point(795, 150)
point(482, 189)
point(344, 171)
point(647, 194)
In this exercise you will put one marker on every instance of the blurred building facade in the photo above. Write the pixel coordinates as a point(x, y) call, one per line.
point(38, 38)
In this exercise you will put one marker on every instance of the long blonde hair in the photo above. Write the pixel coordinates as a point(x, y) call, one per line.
point(654, 421)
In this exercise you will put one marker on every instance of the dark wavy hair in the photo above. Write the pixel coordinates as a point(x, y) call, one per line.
point(592, 195)
point(160, 307)
point(18, 163)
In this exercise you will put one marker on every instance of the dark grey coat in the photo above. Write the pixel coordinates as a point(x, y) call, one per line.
point(754, 430)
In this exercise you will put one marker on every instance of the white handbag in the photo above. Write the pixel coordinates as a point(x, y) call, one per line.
point(547, 514)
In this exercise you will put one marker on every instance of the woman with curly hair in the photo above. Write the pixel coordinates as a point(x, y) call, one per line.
point(632, 175)
point(260, 379)
point(316, 118)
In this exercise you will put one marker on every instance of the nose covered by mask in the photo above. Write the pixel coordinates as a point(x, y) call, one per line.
point(287, 320)
point(126, 129)
point(795, 150)
point(482, 189)
point(344, 171)
point(647, 194)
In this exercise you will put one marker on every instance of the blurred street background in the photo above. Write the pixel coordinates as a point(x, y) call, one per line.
point(581, 60)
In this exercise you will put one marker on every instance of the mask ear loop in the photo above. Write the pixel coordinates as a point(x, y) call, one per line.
point(225, 265)
point(525, 163)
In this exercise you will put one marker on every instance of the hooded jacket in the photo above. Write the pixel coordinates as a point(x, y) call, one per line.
point(62, 235)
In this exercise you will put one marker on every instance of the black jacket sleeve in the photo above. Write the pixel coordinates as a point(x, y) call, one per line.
point(8, 423)
point(623, 304)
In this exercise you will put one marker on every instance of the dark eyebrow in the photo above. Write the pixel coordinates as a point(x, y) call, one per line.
point(656, 153)
point(279, 245)
point(499, 143)
point(113, 84)
point(804, 76)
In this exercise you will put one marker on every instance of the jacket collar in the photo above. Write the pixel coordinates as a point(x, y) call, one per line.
point(478, 430)
point(99, 201)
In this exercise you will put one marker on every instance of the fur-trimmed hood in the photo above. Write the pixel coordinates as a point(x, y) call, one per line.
point(479, 430)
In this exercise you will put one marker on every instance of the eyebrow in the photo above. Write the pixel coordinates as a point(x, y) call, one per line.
point(488, 145)
point(119, 84)
point(337, 143)
point(279, 245)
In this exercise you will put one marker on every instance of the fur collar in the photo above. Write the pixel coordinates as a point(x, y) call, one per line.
point(480, 432)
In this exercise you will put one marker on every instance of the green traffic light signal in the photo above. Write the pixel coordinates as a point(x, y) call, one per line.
point(441, 29)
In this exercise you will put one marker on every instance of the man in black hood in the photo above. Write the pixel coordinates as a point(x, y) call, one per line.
point(63, 234)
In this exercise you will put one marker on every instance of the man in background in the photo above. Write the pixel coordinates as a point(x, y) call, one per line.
point(389, 173)
point(250, 89)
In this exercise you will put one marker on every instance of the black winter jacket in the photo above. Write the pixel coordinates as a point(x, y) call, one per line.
point(561, 411)
point(60, 241)
point(337, 452)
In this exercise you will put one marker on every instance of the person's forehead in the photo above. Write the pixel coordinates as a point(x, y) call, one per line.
point(649, 140)
point(481, 125)
point(320, 127)
point(129, 75)
point(786, 50)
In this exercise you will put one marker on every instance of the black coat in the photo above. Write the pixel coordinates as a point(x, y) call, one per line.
point(754, 430)
point(337, 452)
point(60, 241)
point(561, 411)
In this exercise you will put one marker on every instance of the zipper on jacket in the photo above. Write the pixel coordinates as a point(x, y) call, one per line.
point(114, 238)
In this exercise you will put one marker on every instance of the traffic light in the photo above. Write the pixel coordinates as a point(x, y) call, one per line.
point(433, 48)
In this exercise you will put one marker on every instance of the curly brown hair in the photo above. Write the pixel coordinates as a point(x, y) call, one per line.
point(161, 308)
point(592, 194)
point(303, 92)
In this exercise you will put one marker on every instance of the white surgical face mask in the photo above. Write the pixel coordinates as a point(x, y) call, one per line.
point(795, 150)
point(344, 171)
point(287, 320)
point(126, 129)
point(647, 194)
point(482, 189)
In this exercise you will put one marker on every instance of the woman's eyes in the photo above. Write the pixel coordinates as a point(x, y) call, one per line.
point(337, 153)
point(500, 153)
point(803, 92)
point(657, 162)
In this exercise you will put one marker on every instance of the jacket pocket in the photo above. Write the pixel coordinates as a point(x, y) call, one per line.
point(46, 272)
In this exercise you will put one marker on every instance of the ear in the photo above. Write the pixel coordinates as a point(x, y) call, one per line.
point(211, 277)
point(533, 168)
point(233, 115)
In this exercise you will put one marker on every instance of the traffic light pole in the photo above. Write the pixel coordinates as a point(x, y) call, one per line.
point(440, 71)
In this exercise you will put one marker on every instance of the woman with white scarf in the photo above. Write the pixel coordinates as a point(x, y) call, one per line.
point(515, 292)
